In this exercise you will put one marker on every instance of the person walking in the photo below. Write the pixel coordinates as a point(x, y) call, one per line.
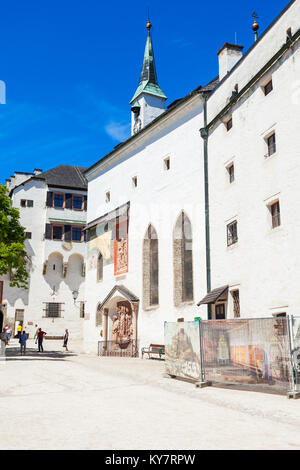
point(66, 338)
point(41, 335)
point(22, 340)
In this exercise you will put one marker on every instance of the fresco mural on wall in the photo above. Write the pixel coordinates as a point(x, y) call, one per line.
point(182, 349)
point(110, 238)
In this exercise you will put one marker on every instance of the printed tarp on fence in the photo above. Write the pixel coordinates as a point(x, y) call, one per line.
point(182, 350)
point(252, 352)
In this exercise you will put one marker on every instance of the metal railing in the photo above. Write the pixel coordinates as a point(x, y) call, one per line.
point(118, 348)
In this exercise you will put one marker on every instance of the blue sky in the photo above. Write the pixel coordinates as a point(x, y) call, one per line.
point(71, 68)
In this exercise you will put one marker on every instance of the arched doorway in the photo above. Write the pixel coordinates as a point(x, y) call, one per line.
point(118, 317)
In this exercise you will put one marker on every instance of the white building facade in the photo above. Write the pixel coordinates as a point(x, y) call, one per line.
point(174, 218)
point(253, 146)
point(52, 207)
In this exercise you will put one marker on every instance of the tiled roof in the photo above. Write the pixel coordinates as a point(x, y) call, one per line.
point(214, 296)
point(68, 176)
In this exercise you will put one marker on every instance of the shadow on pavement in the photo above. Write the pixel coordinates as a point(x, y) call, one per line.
point(14, 354)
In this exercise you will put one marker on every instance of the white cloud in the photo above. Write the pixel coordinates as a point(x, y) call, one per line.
point(117, 130)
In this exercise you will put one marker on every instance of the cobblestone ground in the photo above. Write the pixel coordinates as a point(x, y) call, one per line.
point(59, 400)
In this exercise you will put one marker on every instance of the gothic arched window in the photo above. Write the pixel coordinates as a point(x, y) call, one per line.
point(183, 261)
point(99, 316)
point(150, 268)
point(100, 268)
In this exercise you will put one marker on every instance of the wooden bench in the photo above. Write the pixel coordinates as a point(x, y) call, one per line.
point(156, 349)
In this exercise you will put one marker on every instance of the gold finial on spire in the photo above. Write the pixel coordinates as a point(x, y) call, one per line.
point(255, 25)
point(149, 25)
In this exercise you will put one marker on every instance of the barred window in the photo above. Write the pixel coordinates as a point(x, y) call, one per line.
point(53, 309)
point(275, 212)
point(236, 303)
point(271, 142)
point(230, 170)
point(232, 235)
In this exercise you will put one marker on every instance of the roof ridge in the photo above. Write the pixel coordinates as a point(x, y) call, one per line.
point(81, 177)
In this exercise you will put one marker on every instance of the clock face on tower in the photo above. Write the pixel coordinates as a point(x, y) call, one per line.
point(137, 126)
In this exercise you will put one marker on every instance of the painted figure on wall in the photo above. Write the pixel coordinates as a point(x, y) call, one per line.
point(122, 328)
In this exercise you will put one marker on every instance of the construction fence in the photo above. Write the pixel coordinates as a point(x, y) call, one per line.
point(259, 353)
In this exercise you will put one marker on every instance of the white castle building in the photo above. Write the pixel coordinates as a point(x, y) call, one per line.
point(200, 205)
point(52, 208)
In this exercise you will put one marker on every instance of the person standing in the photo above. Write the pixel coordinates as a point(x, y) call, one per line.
point(19, 330)
point(36, 334)
point(3, 343)
point(41, 335)
point(8, 332)
point(66, 338)
point(23, 339)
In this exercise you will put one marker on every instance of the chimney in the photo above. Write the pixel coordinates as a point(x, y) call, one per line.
point(229, 55)
point(37, 171)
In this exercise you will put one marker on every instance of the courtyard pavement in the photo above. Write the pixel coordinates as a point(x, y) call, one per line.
point(58, 400)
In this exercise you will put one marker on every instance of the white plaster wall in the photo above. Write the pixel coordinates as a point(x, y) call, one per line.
point(264, 49)
point(265, 264)
point(158, 199)
point(40, 288)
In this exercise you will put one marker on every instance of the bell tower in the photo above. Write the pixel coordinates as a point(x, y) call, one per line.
point(148, 101)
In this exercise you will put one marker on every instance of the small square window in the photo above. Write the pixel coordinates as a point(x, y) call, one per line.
point(58, 201)
point(134, 182)
point(275, 213)
point(232, 235)
point(268, 87)
point(289, 34)
point(107, 196)
point(77, 202)
point(230, 170)
point(271, 143)
point(29, 203)
point(57, 232)
point(229, 124)
point(23, 203)
point(28, 235)
point(167, 164)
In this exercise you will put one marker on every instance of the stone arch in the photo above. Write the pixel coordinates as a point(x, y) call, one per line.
point(72, 271)
point(150, 268)
point(55, 269)
point(183, 260)
point(117, 316)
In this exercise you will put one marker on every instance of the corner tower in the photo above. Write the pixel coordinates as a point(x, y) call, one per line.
point(148, 101)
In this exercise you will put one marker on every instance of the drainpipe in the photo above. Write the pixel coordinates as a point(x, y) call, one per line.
point(204, 135)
